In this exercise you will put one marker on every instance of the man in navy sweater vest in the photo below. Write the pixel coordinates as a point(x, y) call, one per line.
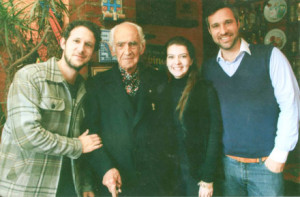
point(259, 99)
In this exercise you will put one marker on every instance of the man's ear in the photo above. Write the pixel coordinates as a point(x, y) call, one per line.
point(142, 49)
point(208, 28)
point(112, 51)
point(62, 43)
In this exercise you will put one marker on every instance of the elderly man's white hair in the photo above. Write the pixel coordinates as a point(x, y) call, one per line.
point(140, 33)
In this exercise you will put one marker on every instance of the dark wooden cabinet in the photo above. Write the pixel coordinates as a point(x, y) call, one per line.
point(178, 13)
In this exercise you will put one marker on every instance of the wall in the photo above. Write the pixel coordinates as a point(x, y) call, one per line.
point(163, 33)
point(91, 10)
point(42, 51)
point(85, 10)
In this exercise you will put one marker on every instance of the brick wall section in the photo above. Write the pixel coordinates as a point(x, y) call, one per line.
point(129, 10)
point(85, 10)
point(164, 33)
point(91, 10)
point(195, 34)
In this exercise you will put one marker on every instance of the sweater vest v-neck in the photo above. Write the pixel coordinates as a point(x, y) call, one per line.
point(249, 108)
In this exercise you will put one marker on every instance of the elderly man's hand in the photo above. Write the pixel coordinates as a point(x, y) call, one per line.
point(205, 189)
point(90, 142)
point(112, 180)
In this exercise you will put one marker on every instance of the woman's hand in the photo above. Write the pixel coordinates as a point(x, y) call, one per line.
point(88, 194)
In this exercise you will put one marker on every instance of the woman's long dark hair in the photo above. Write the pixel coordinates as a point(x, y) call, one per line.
point(192, 73)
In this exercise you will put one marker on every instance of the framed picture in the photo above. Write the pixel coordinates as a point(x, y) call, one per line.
point(105, 55)
point(96, 69)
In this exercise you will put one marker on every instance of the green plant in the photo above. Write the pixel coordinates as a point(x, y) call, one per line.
point(24, 29)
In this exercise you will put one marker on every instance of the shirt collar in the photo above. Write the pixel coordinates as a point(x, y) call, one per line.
point(130, 81)
point(243, 48)
point(126, 75)
point(53, 73)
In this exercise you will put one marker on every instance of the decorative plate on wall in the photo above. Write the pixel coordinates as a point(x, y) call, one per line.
point(276, 37)
point(275, 10)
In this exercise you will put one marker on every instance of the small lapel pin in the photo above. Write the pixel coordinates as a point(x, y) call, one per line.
point(153, 106)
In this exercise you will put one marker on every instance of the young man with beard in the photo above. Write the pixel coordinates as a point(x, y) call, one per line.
point(41, 140)
point(259, 98)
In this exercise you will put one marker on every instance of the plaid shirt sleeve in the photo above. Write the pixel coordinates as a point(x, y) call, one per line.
point(29, 123)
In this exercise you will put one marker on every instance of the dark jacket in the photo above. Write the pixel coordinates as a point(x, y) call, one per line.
point(132, 143)
point(202, 125)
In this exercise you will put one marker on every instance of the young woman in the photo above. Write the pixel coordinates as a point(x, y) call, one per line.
point(193, 107)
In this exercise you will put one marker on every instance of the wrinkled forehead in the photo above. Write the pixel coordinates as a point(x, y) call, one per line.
point(126, 33)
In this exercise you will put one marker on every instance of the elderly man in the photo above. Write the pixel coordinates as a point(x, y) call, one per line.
point(122, 105)
point(41, 140)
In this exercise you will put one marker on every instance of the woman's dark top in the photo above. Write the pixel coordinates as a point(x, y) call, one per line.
point(199, 132)
point(187, 185)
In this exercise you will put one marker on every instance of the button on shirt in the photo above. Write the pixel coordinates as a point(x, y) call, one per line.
point(286, 91)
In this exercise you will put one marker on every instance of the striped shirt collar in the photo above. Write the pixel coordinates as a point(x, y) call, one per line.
point(53, 72)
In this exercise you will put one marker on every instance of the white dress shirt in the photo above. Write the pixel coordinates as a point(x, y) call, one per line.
point(286, 91)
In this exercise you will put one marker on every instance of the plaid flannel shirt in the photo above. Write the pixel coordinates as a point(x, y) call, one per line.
point(41, 112)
